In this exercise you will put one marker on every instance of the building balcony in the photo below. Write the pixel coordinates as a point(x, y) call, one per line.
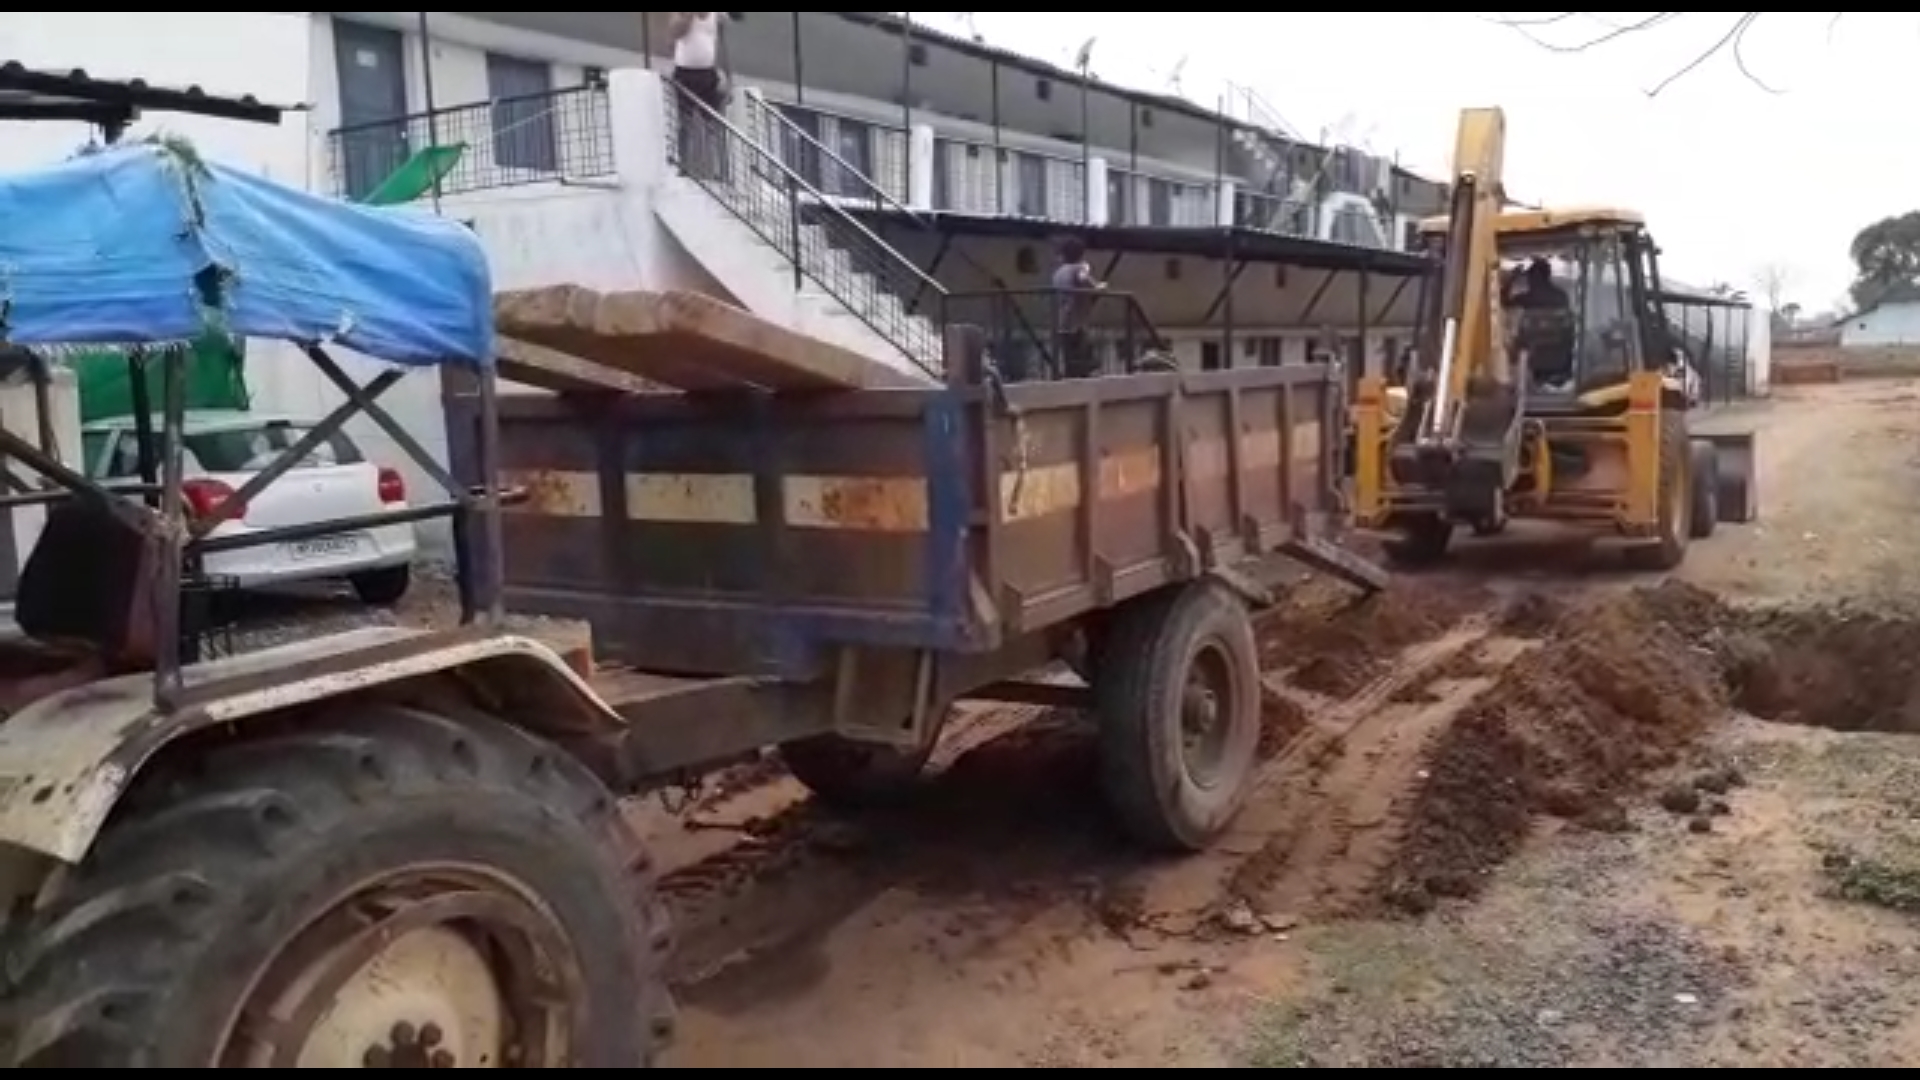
point(973, 176)
point(567, 135)
point(512, 142)
point(1146, 197)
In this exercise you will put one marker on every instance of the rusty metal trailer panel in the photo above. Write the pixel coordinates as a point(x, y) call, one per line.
point(755, 535)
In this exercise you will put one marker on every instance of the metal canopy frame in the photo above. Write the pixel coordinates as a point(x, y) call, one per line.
point(184, 540)
point(27, 94)
point(113, 105)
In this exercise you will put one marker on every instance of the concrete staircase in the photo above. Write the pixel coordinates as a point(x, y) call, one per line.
point(1305, 207)
point(785, 250)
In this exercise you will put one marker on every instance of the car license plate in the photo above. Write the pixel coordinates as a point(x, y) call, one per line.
point(323, 547)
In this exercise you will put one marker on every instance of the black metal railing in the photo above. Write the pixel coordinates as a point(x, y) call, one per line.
point(1045, 334)
point(1020, 335)
point(818, 239)
point(864, 154)
point(1272, 213)
point(509, 142)
point(1713, 340)
point(808, 155)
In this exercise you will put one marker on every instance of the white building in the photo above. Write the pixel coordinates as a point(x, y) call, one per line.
point(1893, 321)
point(891, 121)
point(565, 172)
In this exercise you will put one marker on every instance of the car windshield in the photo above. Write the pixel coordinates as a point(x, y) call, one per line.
point(240, 449)
point(247, 449)
point(93, 444)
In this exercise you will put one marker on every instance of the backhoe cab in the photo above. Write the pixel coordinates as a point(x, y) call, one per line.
point(1546, 381)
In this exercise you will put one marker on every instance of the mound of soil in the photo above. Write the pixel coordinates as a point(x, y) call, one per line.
point(1531, 615)
point(1567, 730)
point(1689, 610)
point(1335, 645)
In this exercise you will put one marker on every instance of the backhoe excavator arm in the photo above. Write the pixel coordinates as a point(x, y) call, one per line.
point(1471, 345)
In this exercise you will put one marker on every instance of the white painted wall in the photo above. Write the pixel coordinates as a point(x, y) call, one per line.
point(20, 413)
point(1759, 351)
point(1888, 324)
point(634, 232)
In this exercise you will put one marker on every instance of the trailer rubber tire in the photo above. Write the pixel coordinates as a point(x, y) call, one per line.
point(848, 774)
point(1669, 549)
point(349, 882)
point(1704, 472)
point(1423, 541)
point(1179, 677)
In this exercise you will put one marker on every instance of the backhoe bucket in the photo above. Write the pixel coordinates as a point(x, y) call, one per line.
point(1737, 495)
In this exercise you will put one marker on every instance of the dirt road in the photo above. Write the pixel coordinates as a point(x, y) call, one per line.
point(1513, 826)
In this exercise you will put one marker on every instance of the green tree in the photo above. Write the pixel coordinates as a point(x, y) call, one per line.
point(1886, 256)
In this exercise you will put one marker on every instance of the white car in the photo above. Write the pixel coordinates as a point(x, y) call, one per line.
point(224, 449)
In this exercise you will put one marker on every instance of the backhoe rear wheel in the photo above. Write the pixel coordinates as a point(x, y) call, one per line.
point(393, 889)
point(1177, 697)
point(1704, 478)
point(1423, 541)
point(1669, 548)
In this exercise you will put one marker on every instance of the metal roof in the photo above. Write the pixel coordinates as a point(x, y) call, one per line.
point(890, 21)
point(1201, 241)
point(28, 93)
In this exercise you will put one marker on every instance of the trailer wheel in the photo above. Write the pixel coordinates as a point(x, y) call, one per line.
point(1669, 549)
point(853, 775)
point(1178, 703)
point(1423, 541)
point(1704, 466)
point(392, 890)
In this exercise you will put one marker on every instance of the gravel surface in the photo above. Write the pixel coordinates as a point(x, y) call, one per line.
point(262, 619)
point(1781, 937)
point(1552, 971)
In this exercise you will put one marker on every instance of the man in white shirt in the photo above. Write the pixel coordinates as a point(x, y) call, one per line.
point(699, 49)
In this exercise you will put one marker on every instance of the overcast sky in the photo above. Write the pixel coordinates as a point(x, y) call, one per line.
point(1731, 177)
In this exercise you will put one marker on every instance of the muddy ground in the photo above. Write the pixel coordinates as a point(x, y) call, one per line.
point(1558, 816)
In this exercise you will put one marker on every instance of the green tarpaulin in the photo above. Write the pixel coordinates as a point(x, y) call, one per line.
point(216, 379)
point(216, 369)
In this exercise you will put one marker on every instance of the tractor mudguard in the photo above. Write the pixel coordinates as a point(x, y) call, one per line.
point(66, 759)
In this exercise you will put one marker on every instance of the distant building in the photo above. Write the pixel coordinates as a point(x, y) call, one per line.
point(1892, 320)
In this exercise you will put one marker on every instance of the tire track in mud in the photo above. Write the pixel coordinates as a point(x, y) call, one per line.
point(1467, 715)
point(1328, 854)
point(1326, 812)
point(1012, 824)
point(792, 868)
point(1461, 715)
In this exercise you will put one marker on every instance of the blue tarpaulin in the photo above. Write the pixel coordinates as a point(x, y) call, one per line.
point(146, 244)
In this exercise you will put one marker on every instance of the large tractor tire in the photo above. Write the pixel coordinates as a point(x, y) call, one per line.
point(393, 889)
point(850, 775)
point(1668, 549)
point(1177, 698)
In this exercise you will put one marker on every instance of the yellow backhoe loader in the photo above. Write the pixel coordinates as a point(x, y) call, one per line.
point(1545, 382)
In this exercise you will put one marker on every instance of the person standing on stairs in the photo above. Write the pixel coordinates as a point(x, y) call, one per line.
point(699, 70)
